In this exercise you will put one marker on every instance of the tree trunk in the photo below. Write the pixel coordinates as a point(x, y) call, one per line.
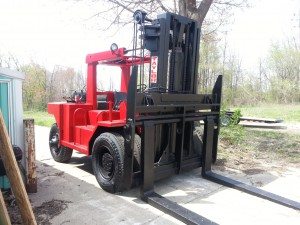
point(202, 10)
point(189, 8)
point(182, 7)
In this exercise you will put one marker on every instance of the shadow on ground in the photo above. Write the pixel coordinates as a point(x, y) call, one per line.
point(182, 188)
point(69, 194)
point(75, 186)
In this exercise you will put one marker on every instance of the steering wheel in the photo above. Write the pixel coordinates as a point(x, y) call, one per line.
point(142, 88)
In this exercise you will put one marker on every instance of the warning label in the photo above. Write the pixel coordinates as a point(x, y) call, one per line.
point(153, 73)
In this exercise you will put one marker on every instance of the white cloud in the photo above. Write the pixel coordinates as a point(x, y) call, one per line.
point(256, 28)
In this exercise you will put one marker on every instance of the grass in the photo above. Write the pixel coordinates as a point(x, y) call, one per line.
point(233, 134)
point(287, 112)
point(40, 118)
point(250, 148)
point(276, 145)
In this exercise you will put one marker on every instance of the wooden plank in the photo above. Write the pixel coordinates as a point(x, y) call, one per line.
point(31, 181)
point(4, 217)
point(14, 176)
point(263, 120)
point(263, 125)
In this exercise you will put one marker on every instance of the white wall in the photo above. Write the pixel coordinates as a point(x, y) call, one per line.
point(18, 116)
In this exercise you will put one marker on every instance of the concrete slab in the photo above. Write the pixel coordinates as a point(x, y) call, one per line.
point(89, 204)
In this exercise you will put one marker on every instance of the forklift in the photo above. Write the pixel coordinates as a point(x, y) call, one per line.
point(150, 128)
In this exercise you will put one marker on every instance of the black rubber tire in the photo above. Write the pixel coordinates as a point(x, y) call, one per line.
point(198, 140)
point(59, 153)
point(225, 120)
point(109, 144)
point(137, 154)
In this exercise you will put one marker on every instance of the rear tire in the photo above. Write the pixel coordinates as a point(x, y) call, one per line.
point(59, 153)
point(225, 120)
point(137, 154)
point(198, 140)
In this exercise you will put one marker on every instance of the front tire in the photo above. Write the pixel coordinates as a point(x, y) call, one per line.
point(59, 153)
point(108, 161)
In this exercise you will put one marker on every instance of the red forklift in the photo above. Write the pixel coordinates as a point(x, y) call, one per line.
point(149, 129)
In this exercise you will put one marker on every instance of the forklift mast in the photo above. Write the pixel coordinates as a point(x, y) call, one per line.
point(168, 113)
point(173, 41)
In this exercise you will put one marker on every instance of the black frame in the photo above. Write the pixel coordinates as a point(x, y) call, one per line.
point(178, 110)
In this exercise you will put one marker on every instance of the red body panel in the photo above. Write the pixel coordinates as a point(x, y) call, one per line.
point(78, 122)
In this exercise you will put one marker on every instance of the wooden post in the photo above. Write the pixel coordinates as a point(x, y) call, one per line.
point(14, 176)
point(31, 178)
point(4, 217)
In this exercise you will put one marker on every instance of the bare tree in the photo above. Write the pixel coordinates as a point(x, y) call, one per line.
point(210, 14)
point(119, 12)
point(62, 82)
point(10, 61)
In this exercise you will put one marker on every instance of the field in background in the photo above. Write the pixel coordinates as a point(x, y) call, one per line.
point(289, 112)
point(40, 118)
point(254, 149)
point(244, 148)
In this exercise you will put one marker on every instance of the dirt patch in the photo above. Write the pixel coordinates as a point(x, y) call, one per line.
point(234, 157)
point(253, 171)
point(292, 128)
point(260, 151)
point(12, 208)
point(59, 174)
point(48, 210)
point(43, 213)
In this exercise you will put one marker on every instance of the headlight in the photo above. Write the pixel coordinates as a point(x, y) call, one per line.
point(114, 47)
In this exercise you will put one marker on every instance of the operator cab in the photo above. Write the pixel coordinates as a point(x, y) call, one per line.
point(99, 92)
point(116, 97)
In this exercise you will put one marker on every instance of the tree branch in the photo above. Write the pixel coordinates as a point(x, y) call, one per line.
point(203, 9)
point(162, 6)
point(122, 5)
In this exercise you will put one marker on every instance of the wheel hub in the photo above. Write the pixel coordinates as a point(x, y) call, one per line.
point(107, 162)
point(54, 142)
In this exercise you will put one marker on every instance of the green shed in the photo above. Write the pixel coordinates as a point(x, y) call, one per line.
point(11, 104)
point(4, 99)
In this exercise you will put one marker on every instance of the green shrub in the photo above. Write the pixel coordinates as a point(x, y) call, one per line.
point(232, 134)
point(235, 118)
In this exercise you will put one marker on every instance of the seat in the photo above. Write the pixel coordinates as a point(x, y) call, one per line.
point(119, 97)
point(102, 103)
